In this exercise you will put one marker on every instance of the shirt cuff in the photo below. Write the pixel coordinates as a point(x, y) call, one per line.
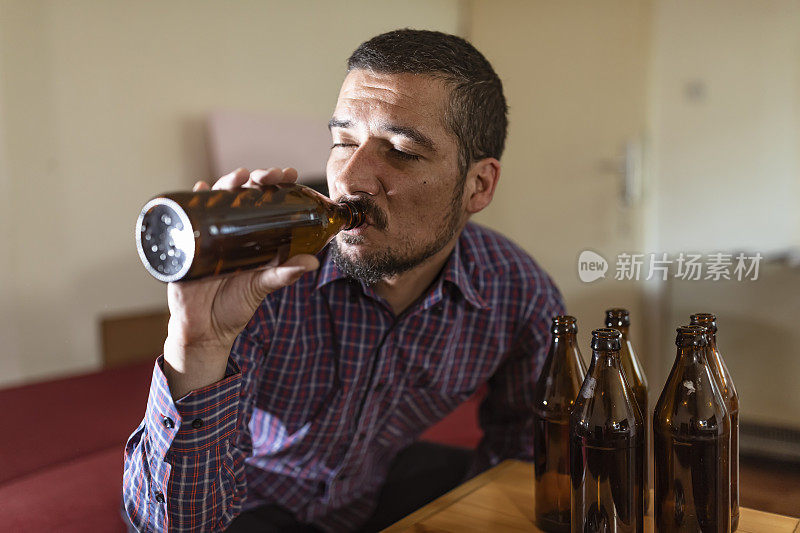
point(200, 420)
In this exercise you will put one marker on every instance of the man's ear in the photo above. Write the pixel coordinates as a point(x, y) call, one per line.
point(482, 179)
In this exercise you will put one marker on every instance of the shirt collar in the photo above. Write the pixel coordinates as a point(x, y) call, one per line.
point(454, 272)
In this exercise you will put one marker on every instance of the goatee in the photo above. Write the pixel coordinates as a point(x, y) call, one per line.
point(376, 266)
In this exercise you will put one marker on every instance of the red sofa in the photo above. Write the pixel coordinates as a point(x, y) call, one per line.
point(62, 447)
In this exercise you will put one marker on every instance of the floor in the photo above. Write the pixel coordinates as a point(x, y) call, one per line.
point(769, 485)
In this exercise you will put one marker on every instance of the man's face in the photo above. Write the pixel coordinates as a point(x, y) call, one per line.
point(392, 151)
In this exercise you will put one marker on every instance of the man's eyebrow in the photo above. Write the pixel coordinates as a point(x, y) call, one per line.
point(336, 123)
point(412, 134)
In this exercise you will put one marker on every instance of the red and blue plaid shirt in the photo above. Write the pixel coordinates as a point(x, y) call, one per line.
point(325, 385)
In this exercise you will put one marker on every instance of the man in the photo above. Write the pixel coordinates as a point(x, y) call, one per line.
point(288, 398)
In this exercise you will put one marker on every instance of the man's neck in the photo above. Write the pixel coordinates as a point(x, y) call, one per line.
point(404, 289)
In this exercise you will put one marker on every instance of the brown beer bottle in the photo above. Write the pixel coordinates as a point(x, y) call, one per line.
point(188, 235)
point(725, 384)
point(691, 433)
point(556, 389)
point(606, 445)
point(620, 319)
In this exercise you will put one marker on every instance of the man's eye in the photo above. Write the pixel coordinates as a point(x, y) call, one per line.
point(343, 145)
point(404, 155)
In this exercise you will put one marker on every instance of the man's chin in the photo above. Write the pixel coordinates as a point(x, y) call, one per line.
point(350, 258)
point(351, 248)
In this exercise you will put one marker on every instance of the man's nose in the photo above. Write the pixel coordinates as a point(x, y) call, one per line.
point(359, 174)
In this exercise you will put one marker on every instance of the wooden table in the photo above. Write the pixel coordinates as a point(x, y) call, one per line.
point(501, 499)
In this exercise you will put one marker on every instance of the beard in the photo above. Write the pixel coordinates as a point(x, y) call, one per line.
point(376, 266)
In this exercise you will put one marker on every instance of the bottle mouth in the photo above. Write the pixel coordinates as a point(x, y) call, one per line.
point(708, 320)
point(618, 317)
point(564, 324)
point(165, 239)
point(691, 336)
point(606, 340)
point(356, 217)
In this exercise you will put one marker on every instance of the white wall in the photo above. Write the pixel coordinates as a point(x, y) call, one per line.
point(103, 105)
point(728, 164)
point(575, 76)
point(9, 366)
point(723, 163)
point(727, 177)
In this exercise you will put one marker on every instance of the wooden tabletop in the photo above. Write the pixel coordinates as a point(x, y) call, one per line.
point(501, 499)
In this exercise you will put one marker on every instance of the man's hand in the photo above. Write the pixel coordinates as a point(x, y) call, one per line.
point(207, 315)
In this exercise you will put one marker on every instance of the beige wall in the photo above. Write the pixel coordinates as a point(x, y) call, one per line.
point(575, 75)
point(727, 178)
point(9, 361)
point(728, 164)
point(722, 166)
point(103, 105)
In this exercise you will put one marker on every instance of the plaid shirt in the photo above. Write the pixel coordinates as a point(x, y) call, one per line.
point(325, 385)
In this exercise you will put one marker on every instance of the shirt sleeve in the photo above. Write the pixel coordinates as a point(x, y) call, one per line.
point(506, 413)
point(184, 464)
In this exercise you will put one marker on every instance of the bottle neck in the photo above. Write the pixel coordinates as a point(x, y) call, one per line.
point(712, 341)
point(350, 214)
point(564, 341)
point(690, 355)
point(606, 359)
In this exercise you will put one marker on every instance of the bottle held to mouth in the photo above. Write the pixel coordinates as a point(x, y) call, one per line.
point(183, 236)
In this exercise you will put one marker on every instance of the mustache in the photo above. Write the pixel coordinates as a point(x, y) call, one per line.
point(374, 214)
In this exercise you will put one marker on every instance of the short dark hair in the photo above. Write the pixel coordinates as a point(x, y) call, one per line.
point(477, 113)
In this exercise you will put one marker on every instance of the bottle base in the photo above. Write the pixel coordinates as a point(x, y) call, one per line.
point(554, 522)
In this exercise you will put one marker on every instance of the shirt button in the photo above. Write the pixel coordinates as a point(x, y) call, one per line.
point(197, 423)
point(168, 423)
point(160, 497)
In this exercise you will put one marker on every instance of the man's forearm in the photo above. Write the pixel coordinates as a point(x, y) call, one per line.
point(183, 471)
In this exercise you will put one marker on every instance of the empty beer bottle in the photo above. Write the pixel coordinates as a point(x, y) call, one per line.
point(556, 389)
point(691, 432)
point(606, 445)
point(188, 235)
point(725, 383)
point(620, 319)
